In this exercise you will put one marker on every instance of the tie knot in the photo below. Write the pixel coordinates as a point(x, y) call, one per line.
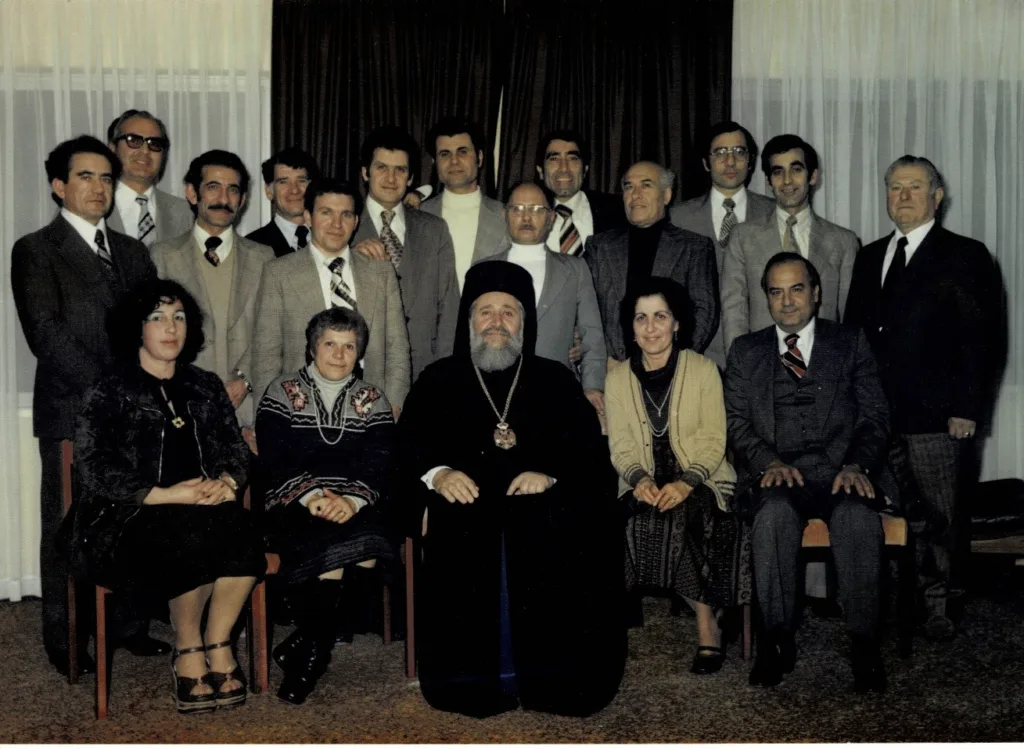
point(563, 210)
point(901, 244)
point(386, 216)
point(729, 204)
point(142, 200)
point(336, 265)
point(101, 241)
point(791, 221)
point(300, 234)
point(212, 243)
point(791, 340)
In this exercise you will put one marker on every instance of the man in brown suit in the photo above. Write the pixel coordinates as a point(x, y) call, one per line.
point(298, 285)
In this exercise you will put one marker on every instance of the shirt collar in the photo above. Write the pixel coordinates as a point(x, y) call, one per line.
point(540, 248)
point(227, 238)
point(376, 209)
point(805, 336)
point(575, 201)
point(321, 258)
point(802, 219)
point(85, 229)
point(717, 198)
point(916, 236)
point(124, 196)
point(287, 227)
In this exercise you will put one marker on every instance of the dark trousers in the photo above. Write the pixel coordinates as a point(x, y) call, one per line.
point(855, 530)
point(930, 470)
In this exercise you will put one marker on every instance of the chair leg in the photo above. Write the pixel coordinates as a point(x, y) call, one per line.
point(906, 592)
point(72, 633)
point(259, 671)
point(747, 638)
point(102, 662)
point(386, 603)
point(410, 618)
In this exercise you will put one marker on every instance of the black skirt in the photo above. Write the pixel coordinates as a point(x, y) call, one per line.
point(167, 550)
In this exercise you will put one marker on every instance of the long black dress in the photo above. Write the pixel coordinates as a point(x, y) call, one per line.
point(529, 587)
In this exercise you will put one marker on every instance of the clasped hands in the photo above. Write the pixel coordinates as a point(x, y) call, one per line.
point(332, 506)
point(849, 479)
point(668, 496)
point(455, 486)
point(197, 491)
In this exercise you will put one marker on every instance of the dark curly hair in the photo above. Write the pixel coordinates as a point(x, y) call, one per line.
point(675, 297)
point(125, 320)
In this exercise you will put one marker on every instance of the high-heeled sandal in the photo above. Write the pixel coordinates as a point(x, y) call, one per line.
point(217, 679)
point(187, 702)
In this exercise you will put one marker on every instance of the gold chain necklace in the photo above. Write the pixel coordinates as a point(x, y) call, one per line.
point(504, 437)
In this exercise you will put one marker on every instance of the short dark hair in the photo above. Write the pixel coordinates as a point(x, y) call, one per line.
point(790, 257)
point(721, 128)
point(331, 186)
point(294, 157)
point(58, 163)
point(339, 319)
point(675, 297)
point(781, 144)
point(216, 157)
point(114, 131)
point(450, 126)
point(126, 318)
point(390, 138)
point(570, 136)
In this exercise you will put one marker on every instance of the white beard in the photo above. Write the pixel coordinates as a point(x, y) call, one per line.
point(491, 359)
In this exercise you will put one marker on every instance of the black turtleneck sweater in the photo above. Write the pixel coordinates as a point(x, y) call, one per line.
point(643, 246)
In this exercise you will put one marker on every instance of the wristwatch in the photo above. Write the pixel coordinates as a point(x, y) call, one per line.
point(241, 375)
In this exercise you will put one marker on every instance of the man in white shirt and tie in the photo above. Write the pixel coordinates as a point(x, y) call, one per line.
point(286, 175)
point(141, 209)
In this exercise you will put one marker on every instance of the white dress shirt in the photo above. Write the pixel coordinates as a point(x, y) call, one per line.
point(914, 239)
point(288, 229)
point(801, 231)
point(804, 341)
point(397, 222)
point(582, 217)
point(718, 210)
point(128, 209)
point(86, 230)
point(321, 261)
point(532, 257)
point(227, 241)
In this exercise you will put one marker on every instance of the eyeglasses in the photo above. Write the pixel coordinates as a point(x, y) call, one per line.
point(134, 140)
point(740, 152)
point(533, 210)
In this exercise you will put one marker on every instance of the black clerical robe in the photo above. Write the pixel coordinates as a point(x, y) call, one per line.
point(542, 572)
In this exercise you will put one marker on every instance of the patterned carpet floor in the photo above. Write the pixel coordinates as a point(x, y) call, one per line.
point(971, 689)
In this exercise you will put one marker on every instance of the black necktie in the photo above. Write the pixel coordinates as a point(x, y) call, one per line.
point(896, 268)
point(101, 250)
point(300, 236)
point(212, 243)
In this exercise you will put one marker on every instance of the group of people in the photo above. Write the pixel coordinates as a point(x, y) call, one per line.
point(574, 398)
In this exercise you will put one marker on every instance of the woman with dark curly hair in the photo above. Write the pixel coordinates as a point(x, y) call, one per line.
point(159, 461)
point(326, 440)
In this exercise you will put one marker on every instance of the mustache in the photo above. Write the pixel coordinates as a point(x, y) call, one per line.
point(221, 207)
point(488, 331)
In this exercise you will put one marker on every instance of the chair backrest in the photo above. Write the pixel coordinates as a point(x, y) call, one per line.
point(67, 453)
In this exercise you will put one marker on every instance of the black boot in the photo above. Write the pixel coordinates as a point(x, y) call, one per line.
point(776, 655)
point(310, 660)
point(295, 648)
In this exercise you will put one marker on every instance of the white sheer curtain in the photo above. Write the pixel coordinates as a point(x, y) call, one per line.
point(203, 66)
point(866, 81)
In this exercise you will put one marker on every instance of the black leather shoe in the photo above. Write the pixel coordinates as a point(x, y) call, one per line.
point(767, 671)
point(145, 645)
point(708, 660)
point(86, 665)
point(294, 649)
point(868, 667)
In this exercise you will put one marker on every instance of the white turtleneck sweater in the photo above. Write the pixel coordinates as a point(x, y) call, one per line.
point(462, 214)
point(532, 257)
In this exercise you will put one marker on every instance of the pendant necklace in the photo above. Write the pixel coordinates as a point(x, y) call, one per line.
point(658, 409)
point(344, 415)
point(176, 421)
point(504, 437)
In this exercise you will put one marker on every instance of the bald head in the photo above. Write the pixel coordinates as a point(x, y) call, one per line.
point(646, 191)
point(527, 215)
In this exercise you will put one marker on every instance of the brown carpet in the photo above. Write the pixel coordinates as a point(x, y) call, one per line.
point(968, 690)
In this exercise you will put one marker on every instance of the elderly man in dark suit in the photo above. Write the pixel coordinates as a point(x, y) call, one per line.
point(926, 298)
point(651, 246)
point(476, 222)
point(286, 175)
point(790, 165)
point(65, 278)
point(732, 151)
point(417, 244)
point(808, 421)
point(142, 210)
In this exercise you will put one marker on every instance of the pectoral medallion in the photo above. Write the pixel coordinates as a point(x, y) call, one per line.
point(504, 437)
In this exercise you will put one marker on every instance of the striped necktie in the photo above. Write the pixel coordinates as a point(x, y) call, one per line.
point(341, 294)
point(146, 222)
point(793, 360)
point(390, 239)
point(569, 240)
point(728, 223)
point(102, 252)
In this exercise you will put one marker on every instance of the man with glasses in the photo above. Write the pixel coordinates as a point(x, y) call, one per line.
point(562, 287)
point(141, 210)
point(731, 152)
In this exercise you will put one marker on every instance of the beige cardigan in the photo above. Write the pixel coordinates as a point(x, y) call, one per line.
point(696, 427)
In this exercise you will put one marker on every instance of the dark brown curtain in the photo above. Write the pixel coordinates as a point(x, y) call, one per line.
point(638, 78)
point(343, 67)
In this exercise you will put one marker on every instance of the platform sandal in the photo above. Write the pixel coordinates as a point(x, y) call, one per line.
point(218, 678)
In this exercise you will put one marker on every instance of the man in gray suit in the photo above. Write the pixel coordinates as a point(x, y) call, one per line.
point(418, 245)
point(141, 209)
point(651, 246)
point(563, 287)
point(809, 422)
point(791, 166)
point(732, 151)
point(222, 270)
point(299, 285)
point(65, 278)
point(476, 222)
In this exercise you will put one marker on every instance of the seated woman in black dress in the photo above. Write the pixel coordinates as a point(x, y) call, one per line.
point(159, 460)
point(326, 440)
point(666, 427)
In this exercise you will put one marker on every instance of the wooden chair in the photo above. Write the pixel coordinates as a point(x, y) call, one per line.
point(897, 541)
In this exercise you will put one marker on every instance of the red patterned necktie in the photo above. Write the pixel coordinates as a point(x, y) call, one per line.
point(793, 360)
point(569, 237)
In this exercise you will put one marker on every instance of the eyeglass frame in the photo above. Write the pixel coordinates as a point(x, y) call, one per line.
point(521, 210)
point(722, 152)
point(162, 144)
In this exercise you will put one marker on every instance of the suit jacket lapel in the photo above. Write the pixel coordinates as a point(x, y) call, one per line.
point(489, 232)
point(81, 257)
point(817, 242)
point(709, 223)
point(823, 367)
point(245, 267)
point(411, 260)
point(305, 282)
point(186, 258)
point(365, 288)
point(555, 276)
point(667, 256)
